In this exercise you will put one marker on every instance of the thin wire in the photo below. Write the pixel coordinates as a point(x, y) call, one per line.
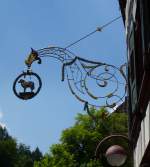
point(110, 22)
point(81, 39)
point(91, 33)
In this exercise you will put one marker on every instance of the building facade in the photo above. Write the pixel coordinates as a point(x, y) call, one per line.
point(136, 17)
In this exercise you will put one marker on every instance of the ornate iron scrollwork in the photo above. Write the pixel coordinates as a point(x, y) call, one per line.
point(94, 83)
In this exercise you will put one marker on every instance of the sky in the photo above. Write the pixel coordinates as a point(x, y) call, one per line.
point(38, 24)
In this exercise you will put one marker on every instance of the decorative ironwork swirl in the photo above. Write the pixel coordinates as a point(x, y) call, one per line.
point(94, 83)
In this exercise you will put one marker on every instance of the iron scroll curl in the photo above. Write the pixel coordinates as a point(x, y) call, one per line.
point(95, 83)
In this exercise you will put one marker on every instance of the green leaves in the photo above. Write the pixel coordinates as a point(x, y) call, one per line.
point(8, 153)
point(78, 143)
point(16, 155)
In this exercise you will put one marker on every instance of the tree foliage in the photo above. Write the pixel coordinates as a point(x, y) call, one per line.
point(16, 155)
point(78, 143)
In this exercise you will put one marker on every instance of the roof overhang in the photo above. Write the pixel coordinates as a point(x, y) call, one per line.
point(122, 4)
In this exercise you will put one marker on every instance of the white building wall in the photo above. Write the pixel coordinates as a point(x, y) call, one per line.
point(143, 139)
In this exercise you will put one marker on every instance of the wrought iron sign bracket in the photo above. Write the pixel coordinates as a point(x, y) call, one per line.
point(93, 83)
